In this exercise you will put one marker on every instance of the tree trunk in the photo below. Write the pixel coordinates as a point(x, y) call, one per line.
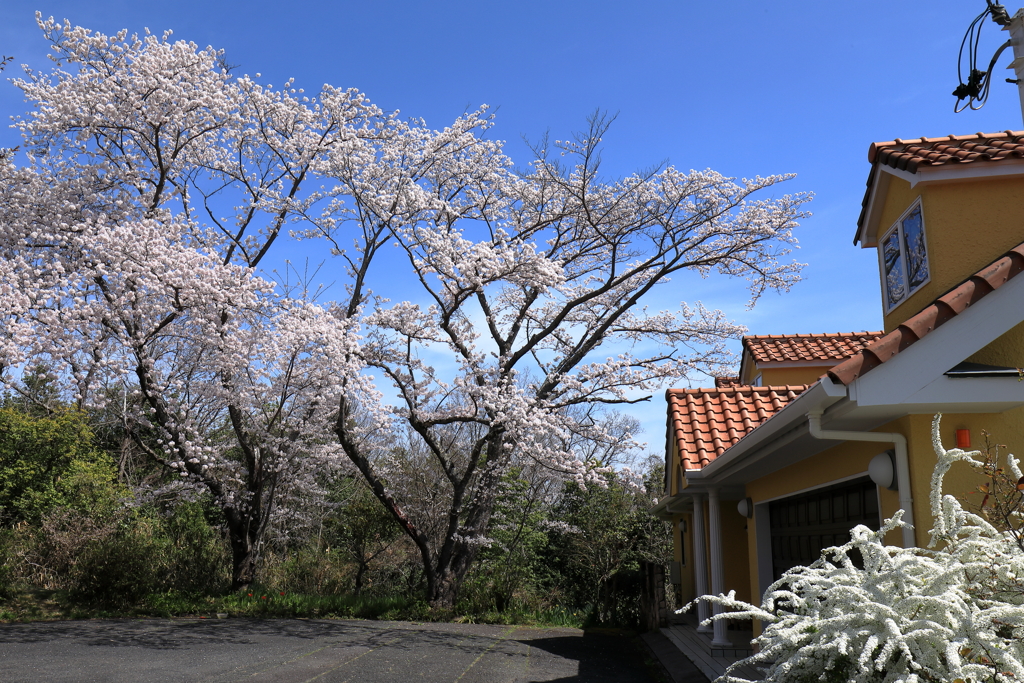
point(443, 591)
point(444, 581)
point(243, 558)
point(359, 577)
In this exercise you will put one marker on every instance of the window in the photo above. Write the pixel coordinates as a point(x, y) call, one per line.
point(904, 258)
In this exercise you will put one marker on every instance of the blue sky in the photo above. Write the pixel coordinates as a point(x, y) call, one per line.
point(745, 88)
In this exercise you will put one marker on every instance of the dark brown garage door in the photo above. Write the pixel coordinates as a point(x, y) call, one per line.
point(803, 525)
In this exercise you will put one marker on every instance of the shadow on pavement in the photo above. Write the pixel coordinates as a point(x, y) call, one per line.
point(602, 657)
point(166, 634)
point(208, 649)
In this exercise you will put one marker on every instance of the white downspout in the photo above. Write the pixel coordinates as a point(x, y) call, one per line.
point(902, 464)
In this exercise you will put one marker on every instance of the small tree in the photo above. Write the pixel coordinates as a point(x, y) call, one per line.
point(1002, 495)
point(950, 613)
point(599, 537)
point(514, 564)
point(363, 529)
point(40, 458)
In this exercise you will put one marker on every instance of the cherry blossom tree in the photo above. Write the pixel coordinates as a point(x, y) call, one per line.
point(523, 278)
point(155, 187)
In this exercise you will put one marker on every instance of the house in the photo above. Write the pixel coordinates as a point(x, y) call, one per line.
point(821, 432)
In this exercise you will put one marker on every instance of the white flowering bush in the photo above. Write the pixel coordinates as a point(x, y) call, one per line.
point(868, 612)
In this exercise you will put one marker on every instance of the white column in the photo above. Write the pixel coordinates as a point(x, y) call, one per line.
point(721, 638)
point(700, 561)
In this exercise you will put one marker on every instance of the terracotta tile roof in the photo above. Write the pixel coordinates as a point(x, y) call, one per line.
point(947, 306)
point(910, 155)
point(722, 382)
point(807, 347)
point(706, 422)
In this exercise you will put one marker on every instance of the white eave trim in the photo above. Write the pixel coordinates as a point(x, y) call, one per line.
point(970, 171)
point(926, 175)
point(868, 235)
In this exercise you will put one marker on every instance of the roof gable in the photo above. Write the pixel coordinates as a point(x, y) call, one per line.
point(780, 350)
point(783, 348)
point(922, 160)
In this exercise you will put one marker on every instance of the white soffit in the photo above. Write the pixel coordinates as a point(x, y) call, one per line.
point(926, 175)
point(868, 235)
point(954, 171)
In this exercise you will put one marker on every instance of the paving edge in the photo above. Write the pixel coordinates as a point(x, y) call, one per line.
point(676, 667)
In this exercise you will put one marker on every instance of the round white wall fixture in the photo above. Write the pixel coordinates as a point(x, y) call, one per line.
point(882, 470)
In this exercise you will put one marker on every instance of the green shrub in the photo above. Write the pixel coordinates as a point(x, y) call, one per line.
point(120, 564)
point(37, 455)
point(197, 557)
point(7, 563)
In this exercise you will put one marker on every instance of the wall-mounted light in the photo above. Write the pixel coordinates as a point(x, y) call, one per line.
point(682, 526)
point(746, 508)
point(882, 470)
point(963, 439)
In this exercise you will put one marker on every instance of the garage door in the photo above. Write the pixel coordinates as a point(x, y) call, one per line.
point(803, 525)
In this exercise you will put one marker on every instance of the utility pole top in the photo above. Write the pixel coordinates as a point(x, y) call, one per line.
point(1016, 29)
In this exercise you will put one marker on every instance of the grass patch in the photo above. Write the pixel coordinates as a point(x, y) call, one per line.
point(34, 605)
point(258, 602)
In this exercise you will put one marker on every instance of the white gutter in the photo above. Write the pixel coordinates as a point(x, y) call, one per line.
point(902, 464)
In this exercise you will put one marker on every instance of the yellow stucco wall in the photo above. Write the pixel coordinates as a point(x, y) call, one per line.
point(954, 213)
point(734, 550)
point(1007, 351)
point(852, 458)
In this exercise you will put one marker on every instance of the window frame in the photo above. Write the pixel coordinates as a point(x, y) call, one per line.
point(902, 260)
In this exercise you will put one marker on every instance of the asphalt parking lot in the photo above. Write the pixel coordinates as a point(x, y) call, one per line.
point(305, 650)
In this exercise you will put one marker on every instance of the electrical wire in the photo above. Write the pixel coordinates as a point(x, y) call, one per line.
point(976, 88)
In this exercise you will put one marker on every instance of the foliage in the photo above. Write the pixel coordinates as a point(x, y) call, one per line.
point(46, 462)
point(599, 536)
point(953, 612)
point(154, 187)
point(363, 529)
point(513, 564)
point(1002, 495)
